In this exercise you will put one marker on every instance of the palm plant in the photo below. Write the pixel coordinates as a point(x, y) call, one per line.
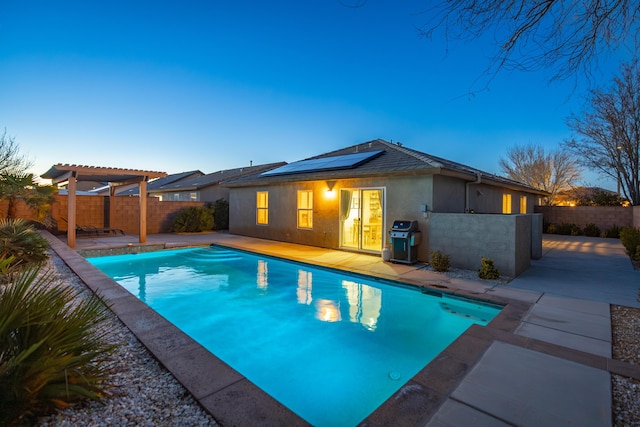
point(53, 350)
point(19, 185)
point(20, 240)
point(39, 199)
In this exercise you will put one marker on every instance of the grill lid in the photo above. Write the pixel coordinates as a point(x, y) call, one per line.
point(404, 225)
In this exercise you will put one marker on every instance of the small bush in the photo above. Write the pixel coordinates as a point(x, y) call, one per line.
point(53, 352)
point(21, 241)
point(613, 232)
point(488, 271)
point(630, 238)
point(220, 209)
point(567, 229)
point(591, 230)
point(551, 229)
point(439, 261)
point(193, 219)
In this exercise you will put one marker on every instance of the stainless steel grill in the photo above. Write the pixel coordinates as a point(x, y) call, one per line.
point(404, 237)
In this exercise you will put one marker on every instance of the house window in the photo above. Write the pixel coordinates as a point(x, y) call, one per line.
point(305, 209)
point(523, 204)
point(506, 203)
point(262, 207)
point(194, 197)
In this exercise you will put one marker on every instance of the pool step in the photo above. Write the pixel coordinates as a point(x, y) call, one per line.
point(473, 313)
point(210, 256)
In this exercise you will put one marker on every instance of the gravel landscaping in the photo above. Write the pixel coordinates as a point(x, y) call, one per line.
point(143, 393)
point(625, 346)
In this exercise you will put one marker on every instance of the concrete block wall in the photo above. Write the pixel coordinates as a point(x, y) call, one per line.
point(22, 210)
point(507, 239)
point(636, 216)
point(604, 217)
point(123, 212)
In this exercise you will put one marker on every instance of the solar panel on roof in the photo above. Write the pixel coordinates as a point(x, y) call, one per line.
point(345, 161)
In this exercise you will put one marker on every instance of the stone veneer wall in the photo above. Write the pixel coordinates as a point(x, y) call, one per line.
point(507, 239)
point(604, 217)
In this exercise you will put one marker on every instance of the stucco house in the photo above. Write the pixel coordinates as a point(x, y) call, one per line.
point(152, 186)
point(349, 198)
point(198, 187)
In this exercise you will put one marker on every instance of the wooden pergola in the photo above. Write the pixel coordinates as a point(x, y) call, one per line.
point(114, 176)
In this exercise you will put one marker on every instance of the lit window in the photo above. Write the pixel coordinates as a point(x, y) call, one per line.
point(305, 209)
point(506, 203)
point(193, 197)
point(262, 207)
point(523, 204)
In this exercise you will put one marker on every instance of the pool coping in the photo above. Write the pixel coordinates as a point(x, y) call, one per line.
point(233, 400)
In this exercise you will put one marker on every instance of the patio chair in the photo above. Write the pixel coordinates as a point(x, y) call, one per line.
point(91, 230)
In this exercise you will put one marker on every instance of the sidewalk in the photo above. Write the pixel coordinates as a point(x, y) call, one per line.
point(552, 368)
point(584, 268)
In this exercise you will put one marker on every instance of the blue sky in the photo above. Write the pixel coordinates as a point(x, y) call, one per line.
point(176, 86)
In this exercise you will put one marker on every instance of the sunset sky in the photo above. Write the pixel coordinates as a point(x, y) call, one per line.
point(211, 85)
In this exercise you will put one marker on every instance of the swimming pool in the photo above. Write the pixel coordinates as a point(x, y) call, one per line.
point(330, 346)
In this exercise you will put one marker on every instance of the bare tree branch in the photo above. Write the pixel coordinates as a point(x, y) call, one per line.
point(566, 37)
point(11, 161)
point(609, 134)
point(552, 172)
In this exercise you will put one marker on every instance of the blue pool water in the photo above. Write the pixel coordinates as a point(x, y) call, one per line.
point(330, 346)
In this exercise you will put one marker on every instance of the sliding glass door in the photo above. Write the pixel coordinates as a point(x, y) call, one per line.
point(361, 219)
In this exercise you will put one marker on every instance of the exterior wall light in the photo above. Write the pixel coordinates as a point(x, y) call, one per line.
point(329, 193)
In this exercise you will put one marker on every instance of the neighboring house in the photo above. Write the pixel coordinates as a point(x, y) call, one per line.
point(159, 183)
point(349, 198)
point(203, 188)
point(589, 196)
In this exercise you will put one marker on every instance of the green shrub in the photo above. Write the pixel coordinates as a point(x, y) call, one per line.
point(220, 209)
point(630, 238)
point(613, 232)
point(488, 271)
point(53, 351)
point(591, 230)
point(567, 229)
point(439, 261)
point(551, 229)
point(193, 219)
point(20, 240)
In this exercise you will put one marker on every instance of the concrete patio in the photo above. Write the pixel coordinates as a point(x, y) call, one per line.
point(545, 361)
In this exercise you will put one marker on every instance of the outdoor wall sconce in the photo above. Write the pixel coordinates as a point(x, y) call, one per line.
point(330, 185)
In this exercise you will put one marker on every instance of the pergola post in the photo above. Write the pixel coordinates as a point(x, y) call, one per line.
point(71, 211)
point(142, 191)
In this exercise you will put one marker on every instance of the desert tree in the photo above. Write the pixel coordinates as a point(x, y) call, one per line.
point(565, 37)
point(18, 184)
point(607, 134)
point(551, 171)
point(11, 160)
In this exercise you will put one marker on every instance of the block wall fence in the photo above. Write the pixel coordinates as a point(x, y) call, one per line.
point(117, 212)
point(604, 217)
